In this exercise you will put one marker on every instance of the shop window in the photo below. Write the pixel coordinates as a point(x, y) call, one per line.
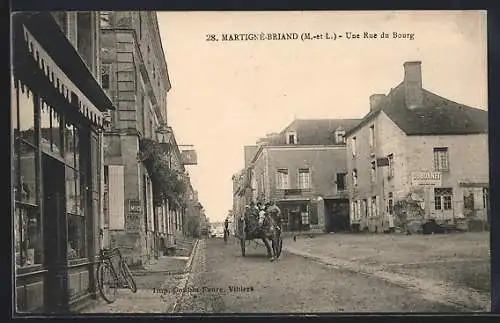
point(26, 108)
point(374, 209)
point(390, 206)
point(443, 198)
point(27, 244)
point(70, 145)
point(51, 131)
point(313, 215)
point(304, 215)
point(76, 237)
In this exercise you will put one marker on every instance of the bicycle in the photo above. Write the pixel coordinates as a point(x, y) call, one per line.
point(107, 276)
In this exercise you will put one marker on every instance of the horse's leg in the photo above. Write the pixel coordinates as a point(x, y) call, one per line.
point(268, 247)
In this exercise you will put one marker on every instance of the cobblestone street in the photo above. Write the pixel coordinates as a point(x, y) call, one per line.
point(225, 282)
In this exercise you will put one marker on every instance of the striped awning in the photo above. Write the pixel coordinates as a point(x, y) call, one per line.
point(60, 80)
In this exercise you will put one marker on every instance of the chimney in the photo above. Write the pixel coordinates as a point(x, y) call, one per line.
point(414, 93)
point(375, 100)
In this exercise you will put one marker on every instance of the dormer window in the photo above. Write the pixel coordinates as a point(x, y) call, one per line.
point(291, 138)
point(340, 136)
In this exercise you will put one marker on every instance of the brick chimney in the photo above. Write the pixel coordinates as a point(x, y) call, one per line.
point(414, 93)
point(375, 100)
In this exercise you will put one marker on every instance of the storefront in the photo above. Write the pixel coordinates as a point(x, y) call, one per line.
point(56, 161)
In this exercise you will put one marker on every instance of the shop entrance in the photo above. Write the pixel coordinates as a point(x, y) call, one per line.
point(55, 234)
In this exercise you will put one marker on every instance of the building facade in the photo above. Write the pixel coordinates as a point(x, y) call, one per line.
point(303, 168)
point(417, 147)
point(57, 107)
point(135, 75)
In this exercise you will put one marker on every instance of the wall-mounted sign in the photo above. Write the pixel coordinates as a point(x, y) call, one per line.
point(384, 161)
point(134, 206)
point(426, 178)
point(189, 157)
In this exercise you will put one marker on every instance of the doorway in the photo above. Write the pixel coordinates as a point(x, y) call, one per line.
point(55, 234)
point(337, 215)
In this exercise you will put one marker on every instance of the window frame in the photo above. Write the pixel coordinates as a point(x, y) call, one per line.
point(443, 195)
point(21, 228)
point(390, 159)
point(304, 170)
point(355, 177)
point(279, 178)
point(439, 153)
point(373, 171)
point(353, 146)
point(291, 134)
point(372, 136)
point(341, 177)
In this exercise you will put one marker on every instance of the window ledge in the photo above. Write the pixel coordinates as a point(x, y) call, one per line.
point(29, 270)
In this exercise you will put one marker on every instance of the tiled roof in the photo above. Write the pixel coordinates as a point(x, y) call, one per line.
point(313, 131)
point(437, 116)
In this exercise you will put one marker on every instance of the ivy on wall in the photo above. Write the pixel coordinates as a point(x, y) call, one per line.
point(168, 184)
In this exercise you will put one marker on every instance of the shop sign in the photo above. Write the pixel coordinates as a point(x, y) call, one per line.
point(425, 178)
point(134, 206)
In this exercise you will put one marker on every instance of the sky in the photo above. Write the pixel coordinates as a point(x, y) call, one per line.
point(227, 94)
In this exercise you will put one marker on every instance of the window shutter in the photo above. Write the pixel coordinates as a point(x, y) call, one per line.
point(116, 196)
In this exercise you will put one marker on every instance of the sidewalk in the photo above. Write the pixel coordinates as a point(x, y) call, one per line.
point(157, 287)
point(451, 268)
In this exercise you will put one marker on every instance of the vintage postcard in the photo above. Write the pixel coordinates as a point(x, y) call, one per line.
point(250, 162)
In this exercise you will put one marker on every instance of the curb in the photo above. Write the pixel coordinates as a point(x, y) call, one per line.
point(182, 285)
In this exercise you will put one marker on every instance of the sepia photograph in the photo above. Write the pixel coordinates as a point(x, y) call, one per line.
point(249, 162)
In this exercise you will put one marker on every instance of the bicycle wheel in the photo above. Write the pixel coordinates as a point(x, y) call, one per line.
point(107, 282)
point(127, 274)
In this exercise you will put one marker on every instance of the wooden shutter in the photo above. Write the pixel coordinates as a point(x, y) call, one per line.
point(116, 196)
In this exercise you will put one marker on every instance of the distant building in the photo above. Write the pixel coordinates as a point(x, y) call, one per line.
point(414, 144)
point(303, 168)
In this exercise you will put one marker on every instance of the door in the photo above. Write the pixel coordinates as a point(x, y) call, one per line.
point(55, 235)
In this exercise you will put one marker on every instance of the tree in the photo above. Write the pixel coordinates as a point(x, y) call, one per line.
point(406, 210)
point(168, 183)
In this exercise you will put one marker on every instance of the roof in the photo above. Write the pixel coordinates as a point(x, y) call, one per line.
point(313, 131)
point(437, 115)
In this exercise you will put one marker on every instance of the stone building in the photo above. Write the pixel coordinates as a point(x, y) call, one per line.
point(416, 146)
point(303, 168)
point(134, 74)
point(57, 107)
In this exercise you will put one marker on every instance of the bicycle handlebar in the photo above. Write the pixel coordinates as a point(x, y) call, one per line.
point(108, 253)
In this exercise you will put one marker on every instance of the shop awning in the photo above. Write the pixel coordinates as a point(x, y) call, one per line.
point(38, 36)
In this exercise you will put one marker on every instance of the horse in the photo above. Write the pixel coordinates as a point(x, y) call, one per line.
point(269, 230)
